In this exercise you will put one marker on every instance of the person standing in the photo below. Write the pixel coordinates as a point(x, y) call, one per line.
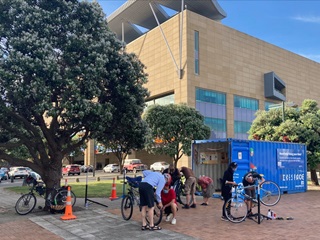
point(249, 180)
point(206, 184)
point(227, 183)
point(189, 187)
point(174, 172)
point(170, 206)
point(146, 190)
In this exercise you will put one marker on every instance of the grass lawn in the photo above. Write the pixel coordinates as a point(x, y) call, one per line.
point(96, 189)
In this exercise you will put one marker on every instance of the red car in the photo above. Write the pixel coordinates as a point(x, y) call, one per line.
point(71, 170)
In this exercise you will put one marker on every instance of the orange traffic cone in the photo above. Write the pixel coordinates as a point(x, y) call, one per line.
point(68, 210)
point(114, 191)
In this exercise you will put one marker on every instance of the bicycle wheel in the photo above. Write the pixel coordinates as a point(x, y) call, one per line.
point(127, 207)
point(61, 197)
point(236, 209)
point(25, 204)
point(269, 193)
point(157, 215)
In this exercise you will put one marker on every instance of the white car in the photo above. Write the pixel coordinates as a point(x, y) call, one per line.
point(20, 172)
point(113, 167)
point(159, 166)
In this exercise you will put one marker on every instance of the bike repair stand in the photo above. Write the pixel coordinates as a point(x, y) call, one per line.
point(258, 214)
point(86, 199)
point(124, 183)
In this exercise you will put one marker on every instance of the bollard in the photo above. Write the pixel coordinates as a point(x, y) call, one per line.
point(12, 178)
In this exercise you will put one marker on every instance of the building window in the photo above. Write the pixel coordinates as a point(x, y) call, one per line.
point(212, 105)
point(241, 127)
point(216, 124)
point(196, 52)
point(210, 96)
point(161, 100)
point(244, 114)
point(243, 102)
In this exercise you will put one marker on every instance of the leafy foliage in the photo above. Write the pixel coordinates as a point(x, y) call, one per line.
point(173, 127)
point(62, 72)
point(301, 125)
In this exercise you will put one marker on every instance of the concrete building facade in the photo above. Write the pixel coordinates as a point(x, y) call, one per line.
point(227, 75)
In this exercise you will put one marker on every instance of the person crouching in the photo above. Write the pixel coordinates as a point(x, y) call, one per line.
point(170, 206)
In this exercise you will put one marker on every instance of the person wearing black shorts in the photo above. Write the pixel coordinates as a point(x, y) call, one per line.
point(151, 181)
point(226, 188)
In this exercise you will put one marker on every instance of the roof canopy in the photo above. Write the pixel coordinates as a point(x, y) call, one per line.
point(135, 13)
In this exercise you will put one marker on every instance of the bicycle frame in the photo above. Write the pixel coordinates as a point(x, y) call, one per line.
point(133, 189)
point(133, 197)
point(236, 208)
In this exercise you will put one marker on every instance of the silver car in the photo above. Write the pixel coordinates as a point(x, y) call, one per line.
point(111, 168)
point(159, 166)
point(20, 172)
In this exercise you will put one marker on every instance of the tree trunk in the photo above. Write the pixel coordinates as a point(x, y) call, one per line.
point(314, 177)
point(52, 180)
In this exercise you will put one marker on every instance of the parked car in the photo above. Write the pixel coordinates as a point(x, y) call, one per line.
point(71, 169)
point(20, 172)
point(6, 171)
point(29, 170)
point(86, 168)
point(134, 165)
point(159, 166)
point(3, 175)
point(112, 167)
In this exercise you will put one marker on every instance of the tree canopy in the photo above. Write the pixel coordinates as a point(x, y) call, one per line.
point(173, 127)
point(300, 125)
point(62, 72)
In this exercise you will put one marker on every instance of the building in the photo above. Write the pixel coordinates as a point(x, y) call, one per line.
point(191, 57)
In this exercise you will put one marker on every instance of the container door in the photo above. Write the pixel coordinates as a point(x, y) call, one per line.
point(240, 154)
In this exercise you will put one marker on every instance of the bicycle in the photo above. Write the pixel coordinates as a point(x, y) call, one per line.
point(133, 196)
point(27, 202)
point(236, 208)
point(178, 187)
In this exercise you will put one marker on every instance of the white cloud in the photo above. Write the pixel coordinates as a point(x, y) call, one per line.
point(310, 19)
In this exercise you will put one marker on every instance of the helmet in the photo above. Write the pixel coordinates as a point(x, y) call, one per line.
point(167, 177)
point(233, 165)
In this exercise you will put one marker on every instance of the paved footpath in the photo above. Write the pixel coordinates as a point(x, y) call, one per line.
point(98, 222)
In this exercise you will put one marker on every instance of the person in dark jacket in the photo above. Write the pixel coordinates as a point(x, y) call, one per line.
point(174, 172)
point(227, 183)
point(249, 179)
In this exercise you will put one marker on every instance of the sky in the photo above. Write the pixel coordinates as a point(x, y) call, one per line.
point(293, 25)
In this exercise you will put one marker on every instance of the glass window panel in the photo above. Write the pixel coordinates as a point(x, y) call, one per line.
point(210, 96)
point(216, 124)
point(243, 102)
point(196, 52)
point(241, 127)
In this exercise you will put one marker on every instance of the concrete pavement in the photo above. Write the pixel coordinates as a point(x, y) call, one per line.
point(98, 222)
point(95, 222)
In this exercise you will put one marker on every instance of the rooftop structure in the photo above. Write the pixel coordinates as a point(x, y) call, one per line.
point(125, 21)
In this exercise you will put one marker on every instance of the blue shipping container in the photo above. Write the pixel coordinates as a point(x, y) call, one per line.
point(281, 162)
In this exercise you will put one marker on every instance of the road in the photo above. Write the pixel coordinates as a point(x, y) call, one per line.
point(71, 179)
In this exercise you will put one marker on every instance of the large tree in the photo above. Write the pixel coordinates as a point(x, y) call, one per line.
point(62, 72)
point(301, 125)
point(173, 127)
